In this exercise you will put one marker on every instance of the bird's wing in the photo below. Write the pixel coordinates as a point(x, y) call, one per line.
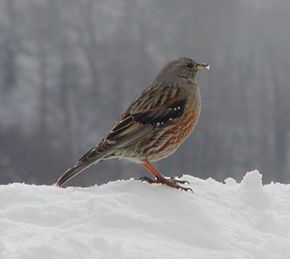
point(149, 110)
point(158, 116)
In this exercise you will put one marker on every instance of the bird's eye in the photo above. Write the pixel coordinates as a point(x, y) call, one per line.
point(190, 65)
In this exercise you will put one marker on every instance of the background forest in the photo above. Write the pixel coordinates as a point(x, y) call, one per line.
point(68, 68)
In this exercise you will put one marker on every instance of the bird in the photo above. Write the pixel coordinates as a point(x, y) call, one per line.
point(156, 123)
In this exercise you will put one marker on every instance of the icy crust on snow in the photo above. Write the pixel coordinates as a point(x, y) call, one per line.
point(129, 219)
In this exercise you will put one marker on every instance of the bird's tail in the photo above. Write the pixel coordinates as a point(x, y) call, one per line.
point(87, 160)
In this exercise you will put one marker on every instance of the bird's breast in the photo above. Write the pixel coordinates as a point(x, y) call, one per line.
point(170, 137)
point(184, 126)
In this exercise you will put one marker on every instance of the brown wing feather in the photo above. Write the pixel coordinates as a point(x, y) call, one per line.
point(148, 111)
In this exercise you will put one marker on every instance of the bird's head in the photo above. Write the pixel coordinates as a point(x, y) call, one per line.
point(181, 68)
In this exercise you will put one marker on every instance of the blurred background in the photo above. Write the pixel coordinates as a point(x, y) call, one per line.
point(69, 68)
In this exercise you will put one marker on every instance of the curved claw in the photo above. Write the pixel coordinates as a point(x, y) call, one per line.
point(179, 181)
point(146, 179)
point(184, 188)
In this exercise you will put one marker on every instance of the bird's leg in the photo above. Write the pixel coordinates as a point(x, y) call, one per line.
point(159, 178)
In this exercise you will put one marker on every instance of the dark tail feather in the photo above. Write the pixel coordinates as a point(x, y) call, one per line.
point(70, 173)
point(90, 158)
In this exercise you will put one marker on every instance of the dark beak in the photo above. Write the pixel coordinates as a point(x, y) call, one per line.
point(203, 66)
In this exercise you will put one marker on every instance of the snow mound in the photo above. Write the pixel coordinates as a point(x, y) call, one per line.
point(129, 219)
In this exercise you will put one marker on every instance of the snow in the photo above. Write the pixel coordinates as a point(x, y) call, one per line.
point(130, 219)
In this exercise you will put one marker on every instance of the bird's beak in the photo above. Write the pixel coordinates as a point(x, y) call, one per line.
point(203, 66)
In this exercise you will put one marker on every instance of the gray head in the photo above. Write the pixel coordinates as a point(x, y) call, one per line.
point(180, 68)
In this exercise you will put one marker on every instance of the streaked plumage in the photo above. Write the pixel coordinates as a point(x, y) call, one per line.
point(154, 125)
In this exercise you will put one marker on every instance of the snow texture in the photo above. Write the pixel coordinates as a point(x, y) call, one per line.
point(130, 219)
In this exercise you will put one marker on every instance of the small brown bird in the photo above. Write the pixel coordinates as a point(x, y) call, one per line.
point(154, 125)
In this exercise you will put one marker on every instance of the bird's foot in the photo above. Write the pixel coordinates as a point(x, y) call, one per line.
point(171, 182)
point(147, 179)
point(174, 183)
point(179, 181)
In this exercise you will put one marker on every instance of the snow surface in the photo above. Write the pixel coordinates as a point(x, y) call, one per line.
point(130, 219)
